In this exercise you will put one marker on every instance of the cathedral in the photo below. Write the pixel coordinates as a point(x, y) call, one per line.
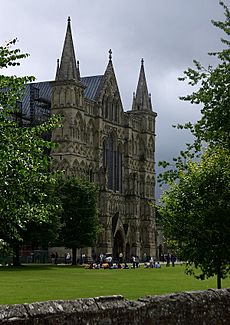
point(108, 145)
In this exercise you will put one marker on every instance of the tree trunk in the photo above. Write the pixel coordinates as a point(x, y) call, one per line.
point(219, 273)
point(16, 259)
point(219, 280)
point(74, 258)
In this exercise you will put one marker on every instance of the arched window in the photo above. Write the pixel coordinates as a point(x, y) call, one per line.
point(111, 108)
point(118, 170)
point(116, 111)
point(112, 160)
point(106, 107)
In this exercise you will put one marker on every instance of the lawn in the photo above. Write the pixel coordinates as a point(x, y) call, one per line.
point(41, 283)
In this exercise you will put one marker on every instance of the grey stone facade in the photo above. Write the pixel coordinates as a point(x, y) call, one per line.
point(109, 146)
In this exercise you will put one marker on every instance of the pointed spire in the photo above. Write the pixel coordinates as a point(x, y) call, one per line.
point(109, 69)
point(142, 99)
point(68, 69)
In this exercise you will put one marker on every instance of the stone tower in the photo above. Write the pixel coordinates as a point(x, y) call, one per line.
point(114, 148)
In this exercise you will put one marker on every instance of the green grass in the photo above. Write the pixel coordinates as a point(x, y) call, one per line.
point(41, 283)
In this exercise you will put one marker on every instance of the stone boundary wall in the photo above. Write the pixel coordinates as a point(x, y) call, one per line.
point(211, 307)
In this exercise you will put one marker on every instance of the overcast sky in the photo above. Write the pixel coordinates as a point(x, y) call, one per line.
point(168, 34)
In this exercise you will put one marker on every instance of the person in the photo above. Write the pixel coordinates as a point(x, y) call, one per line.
point(173, 259)
point(167, 260)
point(120, 257)
point(67, 258)
point(101, 258)
point(119, 265)
point(137, 261)
point(134, 262)
point(109, 261)
point(52, 258)
point(56, 258)
point(157, 265)
point(126, 266)
point(91, 266)
point(105, 265)
point(82, 258)
point(151, 262)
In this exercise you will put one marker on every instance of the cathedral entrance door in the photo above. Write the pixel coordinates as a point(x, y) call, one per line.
point(118, 245)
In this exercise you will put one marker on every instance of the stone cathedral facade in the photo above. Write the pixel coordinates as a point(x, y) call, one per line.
point(112, 147)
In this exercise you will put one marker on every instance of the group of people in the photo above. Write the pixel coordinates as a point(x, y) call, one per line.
point(169, 258)
point(54, 258)
point(107, 262)
point(106, 265)
point(152, 264)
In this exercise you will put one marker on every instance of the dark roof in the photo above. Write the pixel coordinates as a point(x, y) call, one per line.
point(36, 99)
point(40, 92)
point(92, 84)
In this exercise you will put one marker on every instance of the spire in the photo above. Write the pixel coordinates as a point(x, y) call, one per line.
point(142, 100)
point(109, 69)
point(68, 69)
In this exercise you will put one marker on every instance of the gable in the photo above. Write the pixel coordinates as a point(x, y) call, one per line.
point(109, 86)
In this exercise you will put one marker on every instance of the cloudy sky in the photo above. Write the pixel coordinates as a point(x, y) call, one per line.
point(168, 34)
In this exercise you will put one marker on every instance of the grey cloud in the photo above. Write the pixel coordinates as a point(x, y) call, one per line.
point(168, 34)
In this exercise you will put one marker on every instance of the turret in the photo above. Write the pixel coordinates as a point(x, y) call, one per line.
point(142, 99)
point(68, 69)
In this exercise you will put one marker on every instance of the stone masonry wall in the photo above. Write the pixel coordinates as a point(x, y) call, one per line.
point(211, 307)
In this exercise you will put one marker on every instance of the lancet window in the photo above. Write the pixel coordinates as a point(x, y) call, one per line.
point(112, 160)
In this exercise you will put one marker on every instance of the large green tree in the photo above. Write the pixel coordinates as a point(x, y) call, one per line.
point(25, 178)
point(195, 214)
point(195, 207)
point(79, 217)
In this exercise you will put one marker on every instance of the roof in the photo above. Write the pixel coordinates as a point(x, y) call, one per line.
point(36, 99)
point(37, 96)
point(92, 84)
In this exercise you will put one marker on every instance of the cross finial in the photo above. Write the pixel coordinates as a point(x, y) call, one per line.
point(142, 61)
point(69, 20)
point(110, 55)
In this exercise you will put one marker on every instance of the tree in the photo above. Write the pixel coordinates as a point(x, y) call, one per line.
point(195, 214)
point(195, 207)
point(79, 218)
point(42, 234)
point(25, 177)
point(213, 93)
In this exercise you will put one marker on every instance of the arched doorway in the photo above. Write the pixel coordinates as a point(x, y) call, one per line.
point(118, 245)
